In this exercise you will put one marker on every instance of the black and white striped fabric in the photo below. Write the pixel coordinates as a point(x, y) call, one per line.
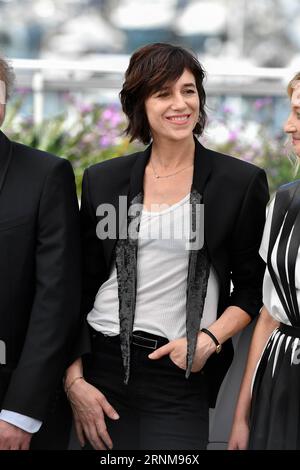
point(275, 411)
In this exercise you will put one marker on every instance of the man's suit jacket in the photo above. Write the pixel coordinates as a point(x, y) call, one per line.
point(235, 194)
point(40, 277)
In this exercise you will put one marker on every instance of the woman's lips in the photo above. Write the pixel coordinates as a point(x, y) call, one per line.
point(178, 119)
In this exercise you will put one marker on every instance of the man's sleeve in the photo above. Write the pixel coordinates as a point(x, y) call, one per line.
point(93, 266)
point(21, 421)
point(55, 311)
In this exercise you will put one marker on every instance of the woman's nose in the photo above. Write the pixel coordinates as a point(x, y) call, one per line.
point(289, 126)
point(178, 101)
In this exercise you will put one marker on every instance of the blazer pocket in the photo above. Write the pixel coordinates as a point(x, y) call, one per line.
point(8, 224)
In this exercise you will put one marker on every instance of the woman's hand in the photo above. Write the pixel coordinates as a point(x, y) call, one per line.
point(89, 407)
point(239, 436)
point(204, 349)
point(177, 350)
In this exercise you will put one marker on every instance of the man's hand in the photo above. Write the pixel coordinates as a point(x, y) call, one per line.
point(13, 438)
point(177, 350)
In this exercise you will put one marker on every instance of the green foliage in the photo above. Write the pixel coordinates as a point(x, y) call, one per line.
point(252, 141)
point(86, 134)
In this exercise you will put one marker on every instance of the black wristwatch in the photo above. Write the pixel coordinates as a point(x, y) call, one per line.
point(218, 345)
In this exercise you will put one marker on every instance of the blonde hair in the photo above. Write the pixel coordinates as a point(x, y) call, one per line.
point(292, 156)
point(292, 84)
point(7, 75)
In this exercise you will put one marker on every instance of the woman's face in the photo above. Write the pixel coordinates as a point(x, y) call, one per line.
point(292, 125)
point(173, 111)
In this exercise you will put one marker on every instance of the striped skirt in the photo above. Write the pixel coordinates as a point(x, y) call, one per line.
point(275, 405)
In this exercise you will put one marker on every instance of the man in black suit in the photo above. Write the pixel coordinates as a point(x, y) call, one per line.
point(39, 290)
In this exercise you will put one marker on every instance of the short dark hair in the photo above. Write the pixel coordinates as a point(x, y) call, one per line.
point(292, 83)
point(150, 68)
point(7, 75)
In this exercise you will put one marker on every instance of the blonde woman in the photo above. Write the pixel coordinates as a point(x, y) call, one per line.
point(268, 410)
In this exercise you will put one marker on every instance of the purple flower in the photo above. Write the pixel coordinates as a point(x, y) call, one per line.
point(116, 119)
point(113, 115)
point(233, 135)
point(85, 108)
point(262, 102)
point(100, 125)
point(227, 109)
point(23, 91)
point(107, 114)
point(68, 97)
point(105, 141)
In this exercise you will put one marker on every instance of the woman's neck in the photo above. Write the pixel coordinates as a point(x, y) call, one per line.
point(172, 155)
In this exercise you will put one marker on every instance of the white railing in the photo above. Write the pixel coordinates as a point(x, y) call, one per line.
point(106, 74)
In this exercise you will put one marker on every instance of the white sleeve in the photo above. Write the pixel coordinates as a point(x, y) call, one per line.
point(21, 421)
point(263, 251)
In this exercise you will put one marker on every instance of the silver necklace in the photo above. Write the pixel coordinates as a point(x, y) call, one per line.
point(171, 174)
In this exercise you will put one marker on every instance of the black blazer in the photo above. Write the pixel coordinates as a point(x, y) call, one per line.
point(235, 194)
point(39, 275)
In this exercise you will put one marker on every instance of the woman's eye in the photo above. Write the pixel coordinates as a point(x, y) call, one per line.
point(190, 91)
point(162, 94)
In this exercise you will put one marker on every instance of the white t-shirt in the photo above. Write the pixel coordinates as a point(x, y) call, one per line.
point(270, 297)
point(162, 268)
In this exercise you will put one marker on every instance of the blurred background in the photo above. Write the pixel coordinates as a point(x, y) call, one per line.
point(70, 56)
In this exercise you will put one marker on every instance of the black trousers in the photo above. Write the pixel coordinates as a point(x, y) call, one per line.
point(159, 409)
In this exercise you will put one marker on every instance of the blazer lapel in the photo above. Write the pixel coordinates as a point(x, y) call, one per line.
point(126, 265)
point(5, 157)
point(137, 174)
point(134, 188)
point(202, 168)
point(126, 257)
point(199, 262)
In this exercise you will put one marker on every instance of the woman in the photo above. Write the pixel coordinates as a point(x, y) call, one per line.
point(152, 281)
point(270, 419)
